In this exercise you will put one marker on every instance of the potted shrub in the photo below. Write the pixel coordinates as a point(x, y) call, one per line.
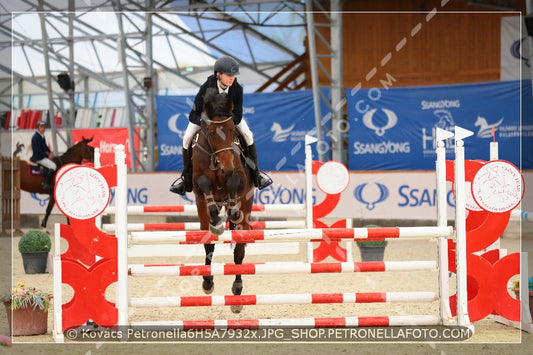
point(34, 247)
point(27, 310)
point(372, 250)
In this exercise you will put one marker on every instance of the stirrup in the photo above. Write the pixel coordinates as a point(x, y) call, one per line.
point(263, 180)
point(178, 188)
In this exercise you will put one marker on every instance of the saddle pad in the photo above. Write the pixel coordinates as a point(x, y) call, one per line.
point(34, 170)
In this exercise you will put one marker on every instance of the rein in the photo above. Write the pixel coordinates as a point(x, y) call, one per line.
point(211, 152)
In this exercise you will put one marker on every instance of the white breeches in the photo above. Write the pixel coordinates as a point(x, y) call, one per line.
point(189, 134)
point(241, 127)
point(47, 163)
point(246, 133)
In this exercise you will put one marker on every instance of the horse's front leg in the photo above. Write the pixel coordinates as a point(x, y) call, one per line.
point(235, 214)
point(216, 225)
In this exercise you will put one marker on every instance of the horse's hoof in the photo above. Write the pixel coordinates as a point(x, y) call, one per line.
point(236, 289)
point(208, 286)
point(236, 309)
point(218, 229)
point(237, 219)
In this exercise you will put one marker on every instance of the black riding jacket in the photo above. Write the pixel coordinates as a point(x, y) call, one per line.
point(235, 93)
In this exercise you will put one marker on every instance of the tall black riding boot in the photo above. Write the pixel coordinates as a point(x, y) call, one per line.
point(48, 183)
point(185, 184)
point(260, 181)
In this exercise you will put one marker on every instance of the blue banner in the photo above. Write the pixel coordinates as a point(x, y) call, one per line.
point(172, 121)
point(394, 128)
point(279, 121)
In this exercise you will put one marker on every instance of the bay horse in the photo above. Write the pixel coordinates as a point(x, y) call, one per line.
point(33, 183)
point(221, 178)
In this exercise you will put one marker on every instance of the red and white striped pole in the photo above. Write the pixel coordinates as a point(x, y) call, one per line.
point(304, 298)
point(287, 235)
point(326, 322)
point(278, 268)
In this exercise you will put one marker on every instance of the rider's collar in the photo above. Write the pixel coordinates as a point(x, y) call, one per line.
point(220, 89)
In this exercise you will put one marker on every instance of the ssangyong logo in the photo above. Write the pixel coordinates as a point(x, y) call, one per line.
point(516, 51)
point(368, 121)
point(370, 194)
point(42, 201)
point(383, 146)
point(173, 127)
point(175, 122)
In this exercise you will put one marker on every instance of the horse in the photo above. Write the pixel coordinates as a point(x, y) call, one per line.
point(33, 183)
point(221, 178)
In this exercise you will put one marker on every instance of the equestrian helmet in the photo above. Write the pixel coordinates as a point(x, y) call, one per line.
point(227, 65)
point(41, 123)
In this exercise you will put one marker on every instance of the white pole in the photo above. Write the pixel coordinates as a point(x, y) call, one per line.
point(58, 297)
point(349, 243)
point(493, 156)
point(97, 164)
point(309, 191)
point(440, 166)
point(121, 233)
point(442, 221)
point(460, 227)
point(494, 151)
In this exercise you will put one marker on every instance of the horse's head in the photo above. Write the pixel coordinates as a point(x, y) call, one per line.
point(480, 122)
point(87, 151)
point(218, 126)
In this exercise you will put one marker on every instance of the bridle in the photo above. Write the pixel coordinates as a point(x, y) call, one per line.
point(213, 154)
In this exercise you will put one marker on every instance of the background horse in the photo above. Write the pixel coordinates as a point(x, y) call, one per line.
point(33, 183)
point(221, 179)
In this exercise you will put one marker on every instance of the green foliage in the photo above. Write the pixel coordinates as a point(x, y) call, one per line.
point(372, 242)
point(35, 240)
point(22, 296)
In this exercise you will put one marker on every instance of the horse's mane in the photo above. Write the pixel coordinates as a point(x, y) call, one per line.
point(71, 151)
point(216, 104)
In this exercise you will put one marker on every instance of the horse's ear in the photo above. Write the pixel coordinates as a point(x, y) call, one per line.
point(228, 107)
point(87, 140)
point(208, 100)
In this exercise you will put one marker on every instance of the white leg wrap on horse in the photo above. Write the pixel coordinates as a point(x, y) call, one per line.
point(243, 129)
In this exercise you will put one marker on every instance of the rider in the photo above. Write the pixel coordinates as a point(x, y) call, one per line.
point(226, 68)
point(42, 154)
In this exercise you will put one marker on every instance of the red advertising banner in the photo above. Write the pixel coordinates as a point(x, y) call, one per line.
point(106, 139)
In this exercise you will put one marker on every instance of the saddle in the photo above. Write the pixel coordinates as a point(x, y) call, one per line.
point(36, 169)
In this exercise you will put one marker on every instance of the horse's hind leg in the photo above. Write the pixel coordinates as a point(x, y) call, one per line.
point(49, 207)
point(208, 285)
point(236, 289)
